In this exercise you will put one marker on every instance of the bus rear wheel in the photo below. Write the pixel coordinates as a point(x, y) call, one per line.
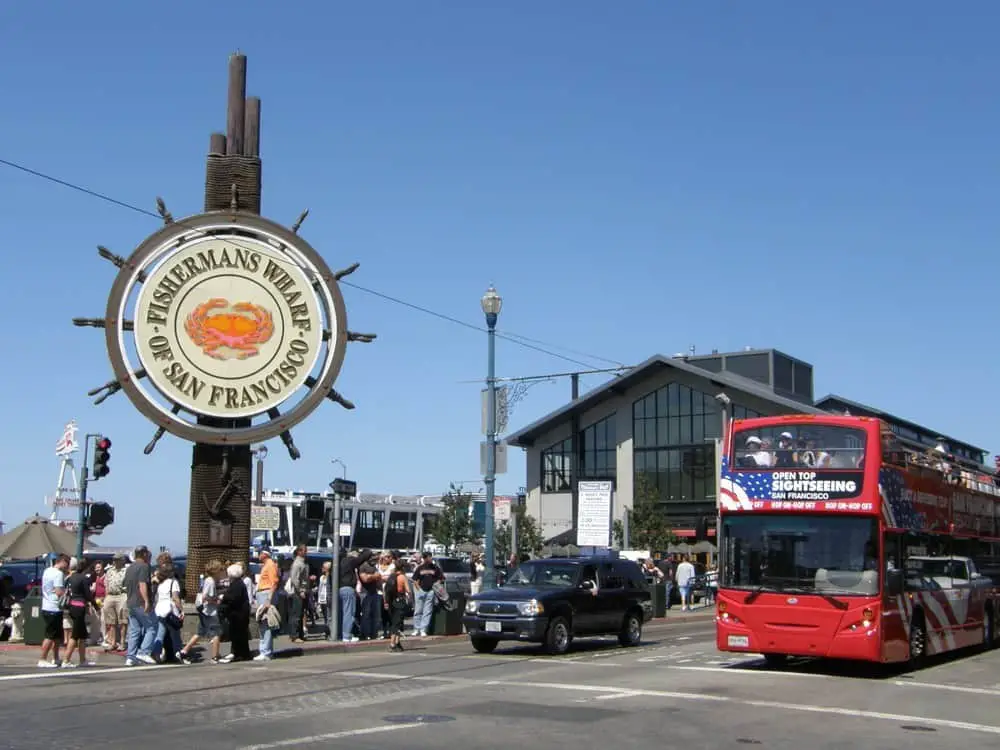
point(918, 642)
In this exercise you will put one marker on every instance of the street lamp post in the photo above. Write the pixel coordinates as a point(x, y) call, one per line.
point(342, 466)
point(491, 302)
point(260, 452)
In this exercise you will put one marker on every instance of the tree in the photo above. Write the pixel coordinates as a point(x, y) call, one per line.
point(618, 531)
point(453, 525)
point(648, 525)
point(529, 536)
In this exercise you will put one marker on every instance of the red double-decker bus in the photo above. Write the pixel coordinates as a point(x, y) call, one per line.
point(838, 540)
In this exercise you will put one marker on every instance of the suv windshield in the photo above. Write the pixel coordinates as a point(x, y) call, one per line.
point(798, 446)
point(544, 573)
point(800, 553)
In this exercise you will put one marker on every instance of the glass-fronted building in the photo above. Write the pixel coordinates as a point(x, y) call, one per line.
point(659, 424)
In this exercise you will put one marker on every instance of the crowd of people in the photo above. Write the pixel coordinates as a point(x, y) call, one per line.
point(136, 607)
point(138, 610)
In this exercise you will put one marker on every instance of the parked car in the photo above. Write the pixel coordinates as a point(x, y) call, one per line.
point(24, 576)
point(552, 601)
point(457, 574)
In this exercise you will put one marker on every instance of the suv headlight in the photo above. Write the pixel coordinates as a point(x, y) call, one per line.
point(471, 607)
point(530, 609)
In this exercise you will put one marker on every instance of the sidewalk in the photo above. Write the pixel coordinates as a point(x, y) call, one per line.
point(20, 655)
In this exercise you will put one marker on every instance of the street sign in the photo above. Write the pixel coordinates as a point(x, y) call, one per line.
point(345, 529)
point(594, 521)
point(500, 464)
point(265, 518)
point(344, 487)
point(501, 509)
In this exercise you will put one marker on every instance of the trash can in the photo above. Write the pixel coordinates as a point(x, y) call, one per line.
point(658, 599)
point(34, 623)
point(449, 621)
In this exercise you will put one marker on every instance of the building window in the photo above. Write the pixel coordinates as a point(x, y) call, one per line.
point(675, 415)
point(741, 412)
point(598, 450)
point(673, 431)
point(679, 475)
point(557, 467)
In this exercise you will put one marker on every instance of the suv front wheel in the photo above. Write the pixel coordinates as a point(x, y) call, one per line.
point(631, 632)
point(558, 636)
point(484, 645)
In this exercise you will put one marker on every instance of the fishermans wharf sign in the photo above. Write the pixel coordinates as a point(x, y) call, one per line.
point(228, 329)
point(231, 315)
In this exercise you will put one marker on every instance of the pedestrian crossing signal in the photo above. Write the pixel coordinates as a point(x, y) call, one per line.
point(100, 516)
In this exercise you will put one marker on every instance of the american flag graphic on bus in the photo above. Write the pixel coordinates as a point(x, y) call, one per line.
point(898, 509)
point(738, 489)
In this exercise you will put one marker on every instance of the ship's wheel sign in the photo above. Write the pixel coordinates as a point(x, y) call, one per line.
point(228, 316)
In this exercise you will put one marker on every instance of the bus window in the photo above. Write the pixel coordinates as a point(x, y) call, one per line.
point(803, 446)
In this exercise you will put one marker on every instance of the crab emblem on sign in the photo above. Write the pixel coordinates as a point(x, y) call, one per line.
point(236, 333)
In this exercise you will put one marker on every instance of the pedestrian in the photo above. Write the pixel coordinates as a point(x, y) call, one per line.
point(684, 576)
point(476, 570)
point(207, 605)
point(169, 611)
point(114, 612)
point(142, 622)
point(424, 577)
point(323, 595)
point(79, 598)
point(297, 590)
point(371, 584)
point(386, 567)
point(53, 591)
point(235, 608)
point(396, 600)
point(347, 595)
point(267, 590)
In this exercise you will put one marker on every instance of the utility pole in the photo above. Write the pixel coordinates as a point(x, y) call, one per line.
point(335, 572)
point(84, 481)
point(491, 303)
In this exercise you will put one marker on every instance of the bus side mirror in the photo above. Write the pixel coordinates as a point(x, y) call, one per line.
point(894, 582)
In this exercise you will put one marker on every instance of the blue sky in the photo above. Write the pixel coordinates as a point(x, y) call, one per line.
point(635, 178)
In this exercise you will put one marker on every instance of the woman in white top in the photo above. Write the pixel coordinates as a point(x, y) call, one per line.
point(169, 610)
point(323, 594)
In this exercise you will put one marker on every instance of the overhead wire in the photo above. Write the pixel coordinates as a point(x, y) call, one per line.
point(523, 341)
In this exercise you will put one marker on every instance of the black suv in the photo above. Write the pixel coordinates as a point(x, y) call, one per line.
point(554, 600)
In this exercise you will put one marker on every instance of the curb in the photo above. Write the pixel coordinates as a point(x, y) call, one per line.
point(343, 648)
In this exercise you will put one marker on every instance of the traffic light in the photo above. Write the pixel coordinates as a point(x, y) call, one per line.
point(100, 516)
point(102, 454)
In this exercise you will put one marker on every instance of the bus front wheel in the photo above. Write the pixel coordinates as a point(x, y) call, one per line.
point(775, 660)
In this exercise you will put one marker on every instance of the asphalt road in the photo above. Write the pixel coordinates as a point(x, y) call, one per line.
point(674, 690)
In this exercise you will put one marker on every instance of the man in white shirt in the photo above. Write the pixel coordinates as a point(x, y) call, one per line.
point(755, 451)
point(684, 576)
point(53, 588)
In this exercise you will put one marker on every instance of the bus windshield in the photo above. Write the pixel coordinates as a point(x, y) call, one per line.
point(801, 553)
point(798, 446)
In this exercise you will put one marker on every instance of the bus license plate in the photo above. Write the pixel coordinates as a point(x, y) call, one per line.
point(739, 641)
point(493, 626)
